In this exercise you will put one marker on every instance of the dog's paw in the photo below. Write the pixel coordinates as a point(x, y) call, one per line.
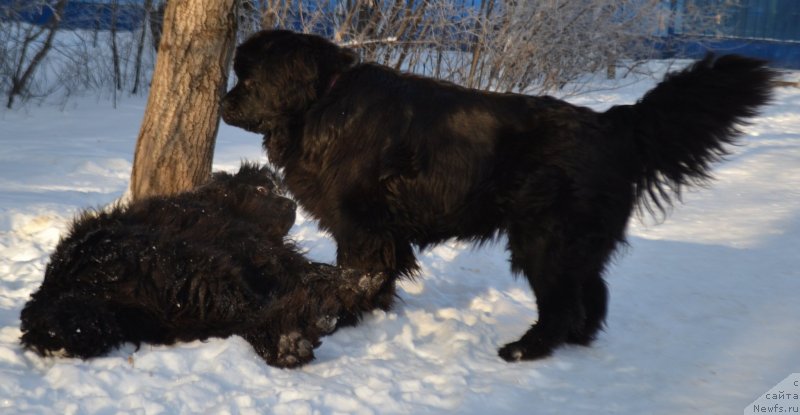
point(520, 350)
point(327, 323)
point(370, 283)
point(361, 283)
point(294, 350)
point(581, 339)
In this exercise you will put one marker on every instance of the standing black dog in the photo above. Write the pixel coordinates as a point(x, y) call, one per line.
point(207, 263)
point(387, 160)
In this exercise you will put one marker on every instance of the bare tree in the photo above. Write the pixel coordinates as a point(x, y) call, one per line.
point(50, 59)
point(506, 45)
point(25, 67)
point(176, 142)
point(114, 47)
point(147, 10)
point(542, 46)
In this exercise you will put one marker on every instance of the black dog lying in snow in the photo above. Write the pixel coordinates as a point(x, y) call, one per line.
point(207, 263)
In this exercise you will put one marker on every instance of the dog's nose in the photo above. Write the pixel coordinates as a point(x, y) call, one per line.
point(288, 220)
point(226, 109)
point(289, 205)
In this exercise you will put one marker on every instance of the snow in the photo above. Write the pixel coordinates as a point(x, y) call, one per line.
point(704, 310)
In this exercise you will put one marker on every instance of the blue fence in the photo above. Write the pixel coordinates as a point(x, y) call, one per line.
point(781, 54)
point(759, 19)
point(769, 29)
point(86, 14)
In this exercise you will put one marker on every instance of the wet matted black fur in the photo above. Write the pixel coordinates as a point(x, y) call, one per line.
point(212, 262)
point(387, 160)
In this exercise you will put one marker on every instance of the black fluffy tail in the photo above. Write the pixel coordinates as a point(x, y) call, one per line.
point(682, 125)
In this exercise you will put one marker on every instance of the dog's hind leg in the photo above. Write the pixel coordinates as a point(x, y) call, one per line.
point(562, 247)
point(594, 294)
point(566, 277)
point(557, 289)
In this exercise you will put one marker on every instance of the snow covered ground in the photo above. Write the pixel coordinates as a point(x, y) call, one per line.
point(704, 317)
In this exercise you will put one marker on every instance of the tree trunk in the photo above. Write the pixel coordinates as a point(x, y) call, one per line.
point(176, 141)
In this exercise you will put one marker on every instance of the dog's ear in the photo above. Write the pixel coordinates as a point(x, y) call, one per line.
point(334, 58)
point(348, 58)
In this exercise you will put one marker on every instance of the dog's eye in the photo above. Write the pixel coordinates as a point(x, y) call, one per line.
point(263, 190)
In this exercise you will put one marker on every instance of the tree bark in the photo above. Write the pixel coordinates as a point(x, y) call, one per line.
point(176, 141)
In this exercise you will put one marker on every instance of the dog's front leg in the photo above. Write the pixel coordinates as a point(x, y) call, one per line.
point(376, 252)
point(289, 349)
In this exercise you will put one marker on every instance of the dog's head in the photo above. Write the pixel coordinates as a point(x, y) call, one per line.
point(280, 74)
point(68, 324)
point(67, 315)
point(254, 194)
